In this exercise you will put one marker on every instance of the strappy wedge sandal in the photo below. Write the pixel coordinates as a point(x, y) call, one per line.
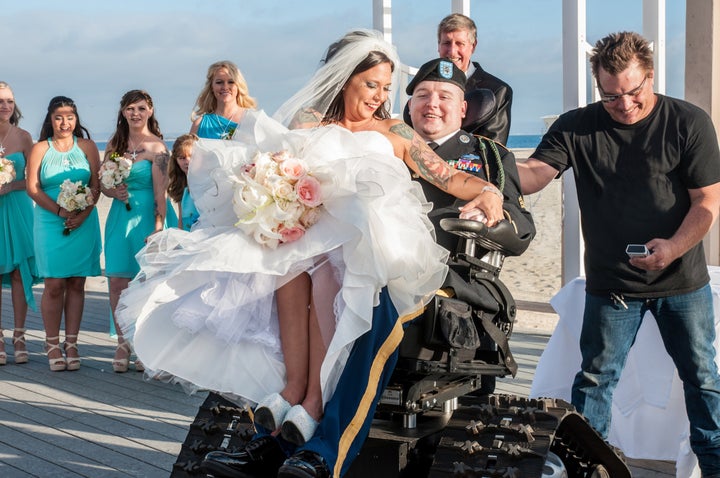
point(73, 363)
point(56, 364)
point(21, 356)
point(121, 365)
point(3, 354)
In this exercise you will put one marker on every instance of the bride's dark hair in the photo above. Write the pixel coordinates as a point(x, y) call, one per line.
point(336, 110)
point(321, 100)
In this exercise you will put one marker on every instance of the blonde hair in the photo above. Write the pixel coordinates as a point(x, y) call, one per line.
point(177, 179)
point(15, 118)
point(206, 101)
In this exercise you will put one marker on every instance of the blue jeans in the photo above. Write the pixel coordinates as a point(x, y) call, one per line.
point(687, 328)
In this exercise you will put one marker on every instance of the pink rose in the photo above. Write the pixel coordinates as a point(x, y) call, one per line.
point(293, 168)
point(308, 191)
point(290, 234)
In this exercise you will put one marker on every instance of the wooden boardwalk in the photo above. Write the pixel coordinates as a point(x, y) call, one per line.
point(96, 423)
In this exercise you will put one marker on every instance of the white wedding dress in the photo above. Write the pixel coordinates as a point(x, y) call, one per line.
point(202, 307)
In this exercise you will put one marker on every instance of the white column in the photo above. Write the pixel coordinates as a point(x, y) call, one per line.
point(382, 18)
point(460, 6)
point(654, 30)
point(575, 49)
point(702, 79)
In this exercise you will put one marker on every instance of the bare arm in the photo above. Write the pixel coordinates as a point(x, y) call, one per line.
point(703, 212)
point(196, 125)
point(160, 179)
point(423, 161)
point(535, 175)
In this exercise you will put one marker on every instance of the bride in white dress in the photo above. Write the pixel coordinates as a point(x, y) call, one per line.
point(202, 307)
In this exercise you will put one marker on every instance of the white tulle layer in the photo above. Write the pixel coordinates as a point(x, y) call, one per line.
point(202, 307)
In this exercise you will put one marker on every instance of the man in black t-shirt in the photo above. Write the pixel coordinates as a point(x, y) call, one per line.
point(647, 170)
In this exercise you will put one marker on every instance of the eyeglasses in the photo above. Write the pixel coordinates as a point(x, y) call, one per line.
point(632, 93)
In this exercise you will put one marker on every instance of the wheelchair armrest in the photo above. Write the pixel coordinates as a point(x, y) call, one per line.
point(502, 237)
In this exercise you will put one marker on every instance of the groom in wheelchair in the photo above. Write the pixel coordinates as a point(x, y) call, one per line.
point(460, 345)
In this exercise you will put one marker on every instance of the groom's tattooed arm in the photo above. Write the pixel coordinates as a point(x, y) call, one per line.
point(427, 164)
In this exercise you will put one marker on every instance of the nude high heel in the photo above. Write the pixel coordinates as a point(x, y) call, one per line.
point(121, 365)
point(21, 356)
point(73, 363)
point(57, 364)
point(3, 354)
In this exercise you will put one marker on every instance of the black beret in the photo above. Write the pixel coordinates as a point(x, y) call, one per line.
point(439, 69)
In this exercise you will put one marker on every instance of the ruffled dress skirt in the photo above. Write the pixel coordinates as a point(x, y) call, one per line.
point(202, 307)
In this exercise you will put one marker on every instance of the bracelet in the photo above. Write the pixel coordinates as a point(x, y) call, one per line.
point(58, 211)
point(493, 190)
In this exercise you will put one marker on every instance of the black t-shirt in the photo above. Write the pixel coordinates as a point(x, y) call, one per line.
point(632, 186)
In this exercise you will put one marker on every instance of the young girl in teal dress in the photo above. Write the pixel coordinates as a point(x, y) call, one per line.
point(177, 180)
point(63, 259)
point(17, 257)
point(139, 207)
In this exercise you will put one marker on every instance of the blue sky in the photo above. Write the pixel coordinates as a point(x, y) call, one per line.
point(94, 51)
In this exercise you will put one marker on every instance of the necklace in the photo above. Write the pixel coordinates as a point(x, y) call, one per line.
point(62, 148)
point(135, 150)
point(2, 147)
point(229, 134)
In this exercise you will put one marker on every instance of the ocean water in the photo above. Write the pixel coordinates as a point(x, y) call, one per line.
point(514, 141)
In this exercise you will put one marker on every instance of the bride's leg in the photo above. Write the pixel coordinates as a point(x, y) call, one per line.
point(293, 300)
point(313, 402)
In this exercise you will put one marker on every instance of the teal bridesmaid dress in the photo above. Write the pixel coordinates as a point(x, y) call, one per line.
point(16, 233)
point(76, 254)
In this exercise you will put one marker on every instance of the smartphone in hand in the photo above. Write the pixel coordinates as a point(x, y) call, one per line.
point(637, 250)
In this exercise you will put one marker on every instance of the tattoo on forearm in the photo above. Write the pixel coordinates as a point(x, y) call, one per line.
point(429, 165)
point(162, 160)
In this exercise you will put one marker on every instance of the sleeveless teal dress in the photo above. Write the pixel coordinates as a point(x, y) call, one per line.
point(214, 126)
point(78, 253)
point(190, 214)
point(16, 233)
point(126, 231)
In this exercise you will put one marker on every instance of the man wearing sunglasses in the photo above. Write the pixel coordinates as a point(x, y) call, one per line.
point(647, 170)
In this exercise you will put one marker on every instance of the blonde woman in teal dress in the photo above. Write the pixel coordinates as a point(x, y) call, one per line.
point(17, 257)
point(64, 151)
point(138, 138)
point(221, 105)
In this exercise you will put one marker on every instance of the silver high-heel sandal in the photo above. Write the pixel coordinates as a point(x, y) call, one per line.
point(57, 364)
point(21, 356)
point(298, 426)
point(270, 411)
point(73, 363)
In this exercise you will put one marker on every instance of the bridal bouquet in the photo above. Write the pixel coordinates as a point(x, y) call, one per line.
point(7, 171)
point(114, 171)
point(74, 196)
point(276, 198)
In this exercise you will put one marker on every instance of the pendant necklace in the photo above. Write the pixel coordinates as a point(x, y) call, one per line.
point(229, 134)
point(2, 146)
point(136, 151)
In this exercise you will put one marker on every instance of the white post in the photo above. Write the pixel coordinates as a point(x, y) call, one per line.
point(382, 18)
point(654, 31)
point(575, 49)
point(460, 6)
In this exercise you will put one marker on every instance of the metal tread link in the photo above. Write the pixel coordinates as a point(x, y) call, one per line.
point(504, 436)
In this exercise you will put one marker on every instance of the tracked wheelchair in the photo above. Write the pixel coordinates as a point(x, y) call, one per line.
point(460, 344)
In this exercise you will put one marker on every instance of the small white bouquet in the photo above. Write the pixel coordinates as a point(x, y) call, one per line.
point(276, 198)
point(74, 196)
point(7, 171)
point(114, 171)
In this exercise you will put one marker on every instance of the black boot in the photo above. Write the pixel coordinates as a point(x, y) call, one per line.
point(304, 464)
point(260, 458)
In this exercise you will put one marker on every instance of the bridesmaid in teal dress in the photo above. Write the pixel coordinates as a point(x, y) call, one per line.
point(137, 137)
point(17, 256)
point(64, 151)
point(221, 104)
point(177, 176)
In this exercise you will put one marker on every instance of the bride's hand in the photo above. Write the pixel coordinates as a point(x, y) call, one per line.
point(489, 203)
